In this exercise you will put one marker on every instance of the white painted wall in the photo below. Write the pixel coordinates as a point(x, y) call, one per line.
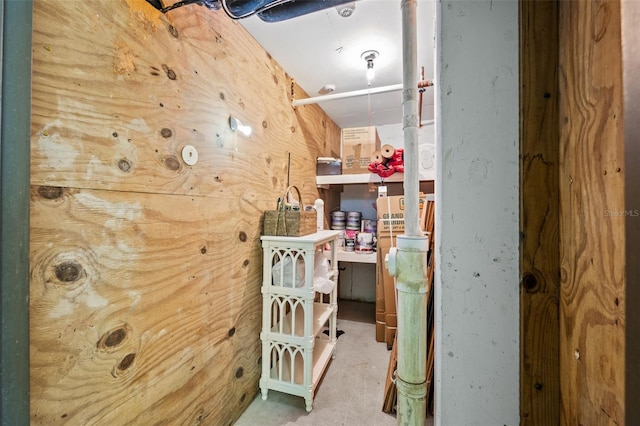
point(477, 213)
point(393, 135)
point(358, 280)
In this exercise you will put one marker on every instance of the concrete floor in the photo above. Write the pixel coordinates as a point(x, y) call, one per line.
point(352, 390)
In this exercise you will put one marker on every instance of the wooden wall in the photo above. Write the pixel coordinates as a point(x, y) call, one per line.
point(573, 259)
point(592, 258)
point(539, 250)
point(145, 303)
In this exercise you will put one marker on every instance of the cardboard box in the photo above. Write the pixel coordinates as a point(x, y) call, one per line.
point(391, 320)
point(358, 145)
point(389, 335)
point(388, 282)
point(391, 212)
point(390, 328)
point(380, 329)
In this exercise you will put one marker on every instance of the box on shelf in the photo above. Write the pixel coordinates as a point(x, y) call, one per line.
point(327, 166)
point(358, 145)
point(391, 212)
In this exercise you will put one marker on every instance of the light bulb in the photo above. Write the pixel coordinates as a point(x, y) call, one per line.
point(369, 56)
point(370, 72)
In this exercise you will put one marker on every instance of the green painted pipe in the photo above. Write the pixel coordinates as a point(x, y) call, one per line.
point(15, 118)
point(409, 262)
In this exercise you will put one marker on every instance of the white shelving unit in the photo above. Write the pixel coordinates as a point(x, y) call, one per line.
point(357, 178)
point(356, 257)
point(295, 351)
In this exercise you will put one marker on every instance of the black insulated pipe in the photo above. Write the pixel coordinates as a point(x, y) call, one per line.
point(267, 10)
point(295, 8)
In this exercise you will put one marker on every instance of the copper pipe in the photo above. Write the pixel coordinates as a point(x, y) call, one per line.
point(420, 98)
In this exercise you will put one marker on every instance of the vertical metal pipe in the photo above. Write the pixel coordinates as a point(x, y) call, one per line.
point(630, 12)
point(409, 262)
point(410, 120)
point(15, 119)
point(411, 337)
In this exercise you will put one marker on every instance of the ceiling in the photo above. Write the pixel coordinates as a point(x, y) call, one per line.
point(324, 48)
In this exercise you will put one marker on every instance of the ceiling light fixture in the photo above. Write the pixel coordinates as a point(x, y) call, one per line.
point(327, 88)
point(236, 125)
point(369, 56)
point(346, 10)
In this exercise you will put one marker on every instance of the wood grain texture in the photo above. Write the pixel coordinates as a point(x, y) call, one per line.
point(145, 272)
point(119, 90)
point(592, 253)
point(138, 309)
point(539, 250)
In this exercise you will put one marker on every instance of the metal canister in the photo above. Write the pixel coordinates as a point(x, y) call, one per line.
point(353, 220)
point(338, 220)
point(369, 226)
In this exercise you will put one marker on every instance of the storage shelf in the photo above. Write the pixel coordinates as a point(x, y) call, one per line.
point(359, 178)
point(317, 238)
point(295, 351)
point(356, 257)
point(321, 314)
point(322, 351)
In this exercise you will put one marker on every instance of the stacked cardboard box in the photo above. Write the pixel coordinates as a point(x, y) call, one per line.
point(390, 391)
point(358, 145)
point(390, 225)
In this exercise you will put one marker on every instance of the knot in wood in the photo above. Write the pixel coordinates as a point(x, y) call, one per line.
point(68, 271)
point(50, 192)
point(172, 163)
point(530, 283)
point(124, 165)
point(126, 362)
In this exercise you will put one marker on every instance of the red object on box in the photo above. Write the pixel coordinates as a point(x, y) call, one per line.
point(389, 167)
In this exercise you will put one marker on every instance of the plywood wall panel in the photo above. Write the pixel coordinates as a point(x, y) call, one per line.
point(135, 303)
point(114, 107)
point(146, 272)
point(592, 322)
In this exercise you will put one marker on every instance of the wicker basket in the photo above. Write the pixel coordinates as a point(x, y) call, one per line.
point(290, 223)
